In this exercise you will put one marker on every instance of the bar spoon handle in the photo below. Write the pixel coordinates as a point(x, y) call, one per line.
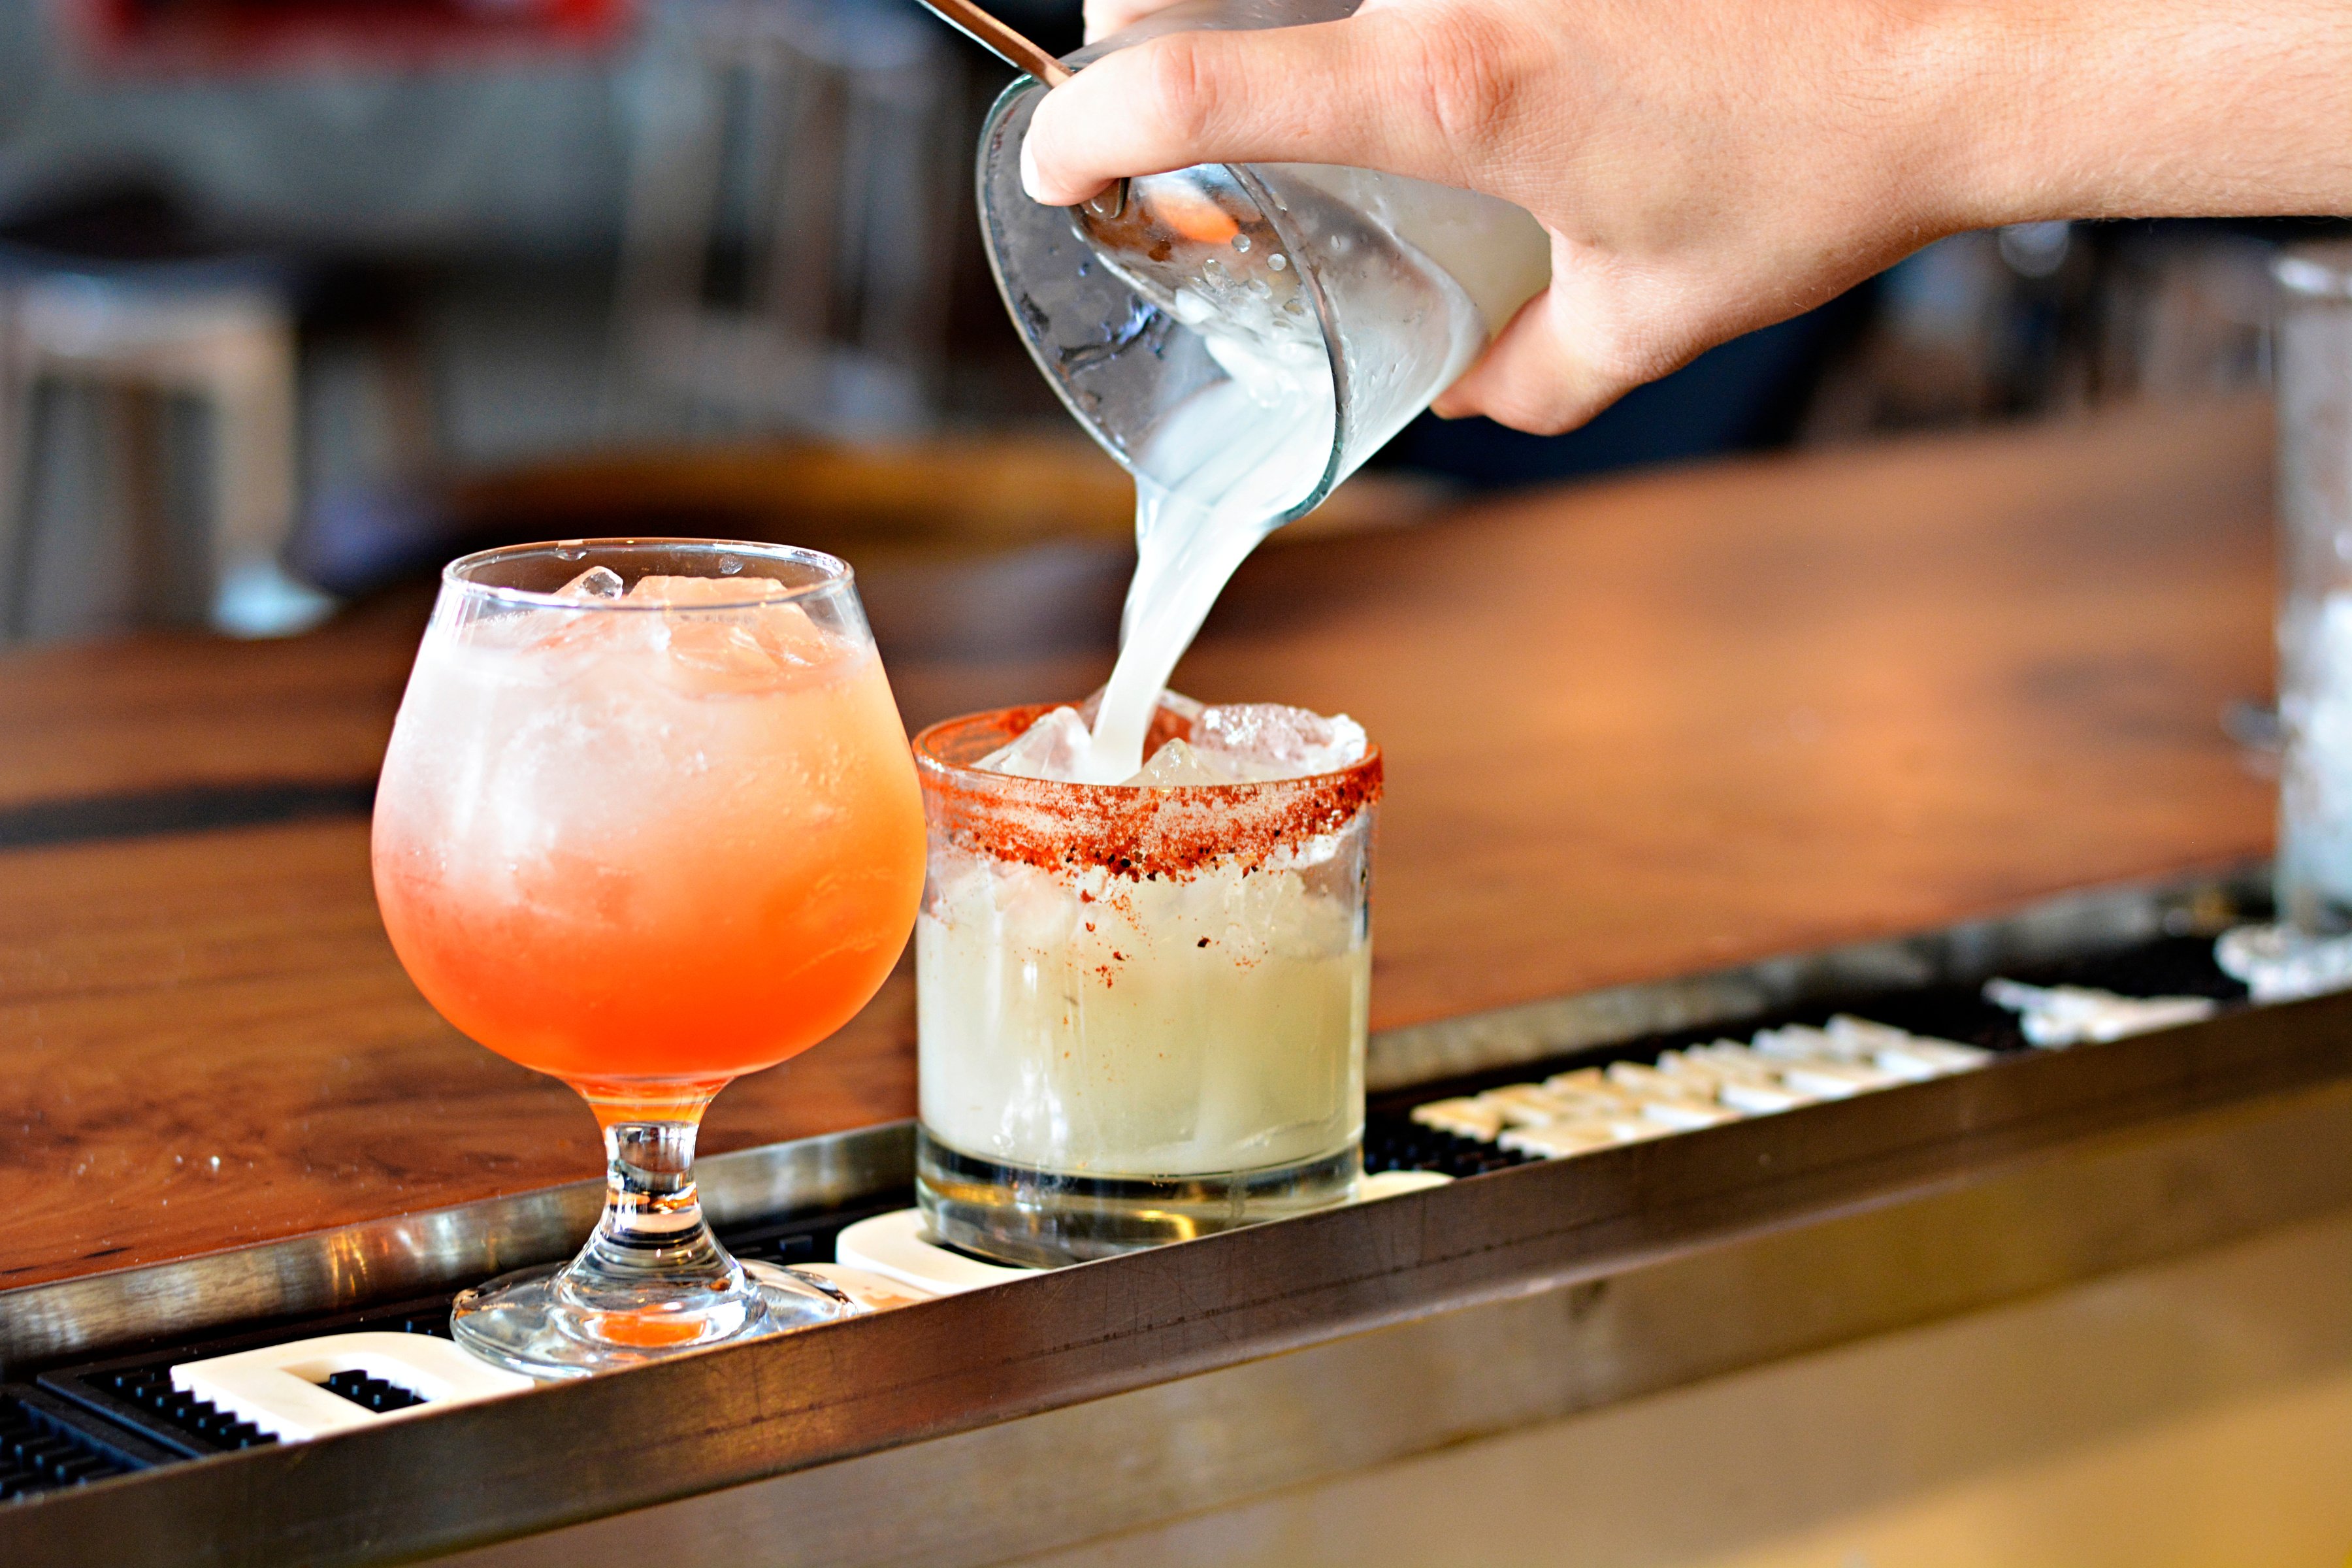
point(1019, 52)
point(997, 39)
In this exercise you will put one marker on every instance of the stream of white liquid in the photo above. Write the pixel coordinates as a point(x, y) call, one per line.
point(1233, 460)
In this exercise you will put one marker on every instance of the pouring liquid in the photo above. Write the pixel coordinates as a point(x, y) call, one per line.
point(1237, 457)
point(1229, 464)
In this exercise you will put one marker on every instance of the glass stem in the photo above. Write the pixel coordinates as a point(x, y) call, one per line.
point(652, 1230)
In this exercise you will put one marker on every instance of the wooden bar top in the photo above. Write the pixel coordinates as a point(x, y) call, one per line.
point(1634, 729)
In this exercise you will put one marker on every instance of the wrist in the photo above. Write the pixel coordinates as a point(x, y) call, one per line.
point(1976, 83)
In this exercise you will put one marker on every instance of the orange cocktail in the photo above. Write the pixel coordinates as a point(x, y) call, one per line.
point(648, 822)
point(635, 850)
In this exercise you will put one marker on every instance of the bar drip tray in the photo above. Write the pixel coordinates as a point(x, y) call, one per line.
point(1472, 1124)
point(92, 1420)
point(84, 1420)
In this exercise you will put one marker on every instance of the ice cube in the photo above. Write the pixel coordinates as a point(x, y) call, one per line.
point(570, 638)
point(1249, 743)
point(1177, 763)
point(1263, 740)
point(1054, 747)
point(749, 645)
point(689, 591)
point(722, 635)
point(596, 582)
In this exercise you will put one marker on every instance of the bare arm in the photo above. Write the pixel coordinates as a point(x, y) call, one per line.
point(1705, 167)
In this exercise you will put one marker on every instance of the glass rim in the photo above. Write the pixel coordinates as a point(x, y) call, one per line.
point(930, 760)
point(1131, 832)
point(836, 573)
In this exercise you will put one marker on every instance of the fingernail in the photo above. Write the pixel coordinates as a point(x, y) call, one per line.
point(1030, 180)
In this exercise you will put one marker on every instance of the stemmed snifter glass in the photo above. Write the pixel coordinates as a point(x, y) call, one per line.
point(648, 822)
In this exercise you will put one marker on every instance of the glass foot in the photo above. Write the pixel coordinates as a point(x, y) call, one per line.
point(2280, 963)
point(1044, 1219)
point(530, 1322)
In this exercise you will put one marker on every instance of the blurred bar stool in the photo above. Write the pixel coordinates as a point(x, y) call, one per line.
point(794, 182)
point(220, 335)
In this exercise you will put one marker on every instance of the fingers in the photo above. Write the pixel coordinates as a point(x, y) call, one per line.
point(1338, 92)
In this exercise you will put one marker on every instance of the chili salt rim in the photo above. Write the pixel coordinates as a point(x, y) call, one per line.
point(1137, 831)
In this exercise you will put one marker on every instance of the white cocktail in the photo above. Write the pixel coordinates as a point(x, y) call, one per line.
point(1142, 1008)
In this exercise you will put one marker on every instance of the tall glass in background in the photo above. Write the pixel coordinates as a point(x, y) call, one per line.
point(2314, 626)
point(1141, 1010)
point(648, 822)
point(2308, 950)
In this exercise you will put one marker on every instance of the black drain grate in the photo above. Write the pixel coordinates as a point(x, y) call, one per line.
point(784, 1244)
point(38, 1454)
point(1393, 1142)
point(371, 1393)
point(47, 1444)
point(137, 1392)
point(206, 1428)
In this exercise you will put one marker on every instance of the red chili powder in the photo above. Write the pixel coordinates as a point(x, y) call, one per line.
point(1130, 830)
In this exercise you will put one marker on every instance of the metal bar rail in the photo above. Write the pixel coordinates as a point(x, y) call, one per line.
point(1312, 1346)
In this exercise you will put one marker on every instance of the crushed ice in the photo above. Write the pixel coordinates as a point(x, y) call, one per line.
point(1241, 742)
point(725, 630)
point(1052, 748)
point(1257, 740)
point(596, 582)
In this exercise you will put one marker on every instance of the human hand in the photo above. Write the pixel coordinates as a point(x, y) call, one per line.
point(1705, 167)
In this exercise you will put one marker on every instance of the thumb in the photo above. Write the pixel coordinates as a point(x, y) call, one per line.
point(1335, 93)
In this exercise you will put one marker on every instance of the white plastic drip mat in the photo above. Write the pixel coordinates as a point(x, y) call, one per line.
point(1597, 1099)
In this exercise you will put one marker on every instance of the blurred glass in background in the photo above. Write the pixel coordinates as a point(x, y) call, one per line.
point(298, 297)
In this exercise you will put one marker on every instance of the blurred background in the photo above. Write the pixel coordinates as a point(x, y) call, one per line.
point(300, 296)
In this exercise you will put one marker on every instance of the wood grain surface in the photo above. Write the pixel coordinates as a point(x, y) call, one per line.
point(1634, 730)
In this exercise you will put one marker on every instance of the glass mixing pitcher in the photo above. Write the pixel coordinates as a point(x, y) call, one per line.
point(1342, 299)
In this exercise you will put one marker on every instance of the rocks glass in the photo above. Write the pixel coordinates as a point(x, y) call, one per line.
point(1143, 1010)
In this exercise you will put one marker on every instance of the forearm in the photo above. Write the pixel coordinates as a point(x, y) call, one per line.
point(1705, 167)
point(2099, 109)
